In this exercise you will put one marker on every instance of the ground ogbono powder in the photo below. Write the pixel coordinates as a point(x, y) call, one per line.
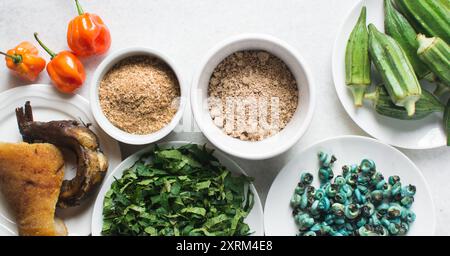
point(252, 95)
point(140, 94)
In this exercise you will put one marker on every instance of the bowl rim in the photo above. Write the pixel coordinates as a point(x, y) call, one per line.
point(269, 39)
point(103, 121)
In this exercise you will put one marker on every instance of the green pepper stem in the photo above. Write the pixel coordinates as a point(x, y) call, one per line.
point(50, 52)
point(16, 58)
point(79, 8)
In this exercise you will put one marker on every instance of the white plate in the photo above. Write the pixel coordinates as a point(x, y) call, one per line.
point(254, 219)
point(420, 134)
point(278, 218)
point(48, 105)
point(4, 231)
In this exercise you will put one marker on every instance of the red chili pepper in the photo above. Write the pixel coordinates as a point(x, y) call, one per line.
point(87, 35)
point(65, 69)
point(24, 60)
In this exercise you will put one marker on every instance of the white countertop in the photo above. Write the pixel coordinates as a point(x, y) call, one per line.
point(186, 29)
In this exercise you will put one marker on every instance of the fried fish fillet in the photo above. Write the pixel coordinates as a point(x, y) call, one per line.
point(31, 176)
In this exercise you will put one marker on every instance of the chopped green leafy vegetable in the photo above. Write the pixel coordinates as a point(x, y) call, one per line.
point(178, 191)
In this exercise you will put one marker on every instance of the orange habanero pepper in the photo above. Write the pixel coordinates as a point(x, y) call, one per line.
point(87, 35)
point(65, 69)
point(24, 61)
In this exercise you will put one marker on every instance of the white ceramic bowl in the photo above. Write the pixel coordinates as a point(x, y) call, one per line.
point(271, 146)
point(255, 219)
point(101, 119)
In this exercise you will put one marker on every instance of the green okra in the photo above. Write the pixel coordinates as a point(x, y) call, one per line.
point(395, 69)
point(426, 105)
point(398, 27)
point(441, 88)
point(357, 60)
point(436, 54)
point(430, 17)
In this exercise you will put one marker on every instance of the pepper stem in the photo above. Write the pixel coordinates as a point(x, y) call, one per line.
point(50, 52)
point(16, 58)
point(79, 8)
point(358, 92)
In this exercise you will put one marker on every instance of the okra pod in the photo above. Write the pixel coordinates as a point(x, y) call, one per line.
point(436, 54)
point(430, 17)
point(395, 70)
point(398, 27)
point(425, 106)
point(357, 60)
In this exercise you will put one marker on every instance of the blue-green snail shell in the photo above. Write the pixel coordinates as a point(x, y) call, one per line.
point(367, 165)
point(306, 178)
point(351, 211)
point(326, 160)
point(393, 179)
